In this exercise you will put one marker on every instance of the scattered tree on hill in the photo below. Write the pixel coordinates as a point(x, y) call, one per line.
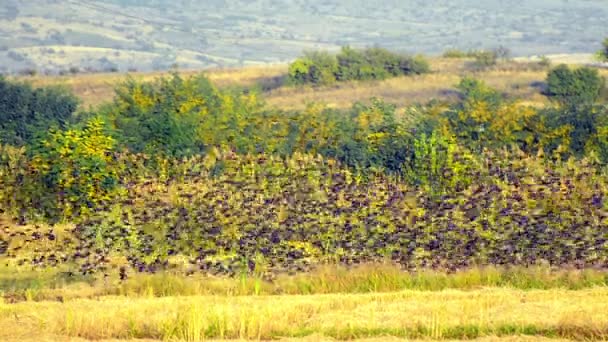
point(321, 68)
point(314, 68)
point(573, 87)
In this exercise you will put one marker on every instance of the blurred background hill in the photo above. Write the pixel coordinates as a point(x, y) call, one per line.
point(54, 36)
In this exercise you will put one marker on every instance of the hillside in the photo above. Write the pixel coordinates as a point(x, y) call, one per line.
point(53, 36)
point(520, 79)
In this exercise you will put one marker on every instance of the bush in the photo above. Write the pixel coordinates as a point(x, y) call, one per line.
point(319, 68)
point(75, 172)
point(580, 130)
point(438, 165)
point(485, 59)
point(15, 186)
point(26, 112)
point(569, 87)
point(178, 117)
point(314, 68)
point(485, 119)
point(455, 53)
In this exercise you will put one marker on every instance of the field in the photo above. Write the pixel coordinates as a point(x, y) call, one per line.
point(522, 79)
point(449, 314)
point(373, 303)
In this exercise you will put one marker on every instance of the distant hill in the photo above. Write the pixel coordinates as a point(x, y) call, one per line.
point(106, 35)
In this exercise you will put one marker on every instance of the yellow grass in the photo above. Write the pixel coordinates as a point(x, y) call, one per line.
point(512, 78)
point(95, 89)
point(409, 314)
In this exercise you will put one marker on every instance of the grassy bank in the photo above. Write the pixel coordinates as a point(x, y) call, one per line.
point(449, 314)
point(20, 284)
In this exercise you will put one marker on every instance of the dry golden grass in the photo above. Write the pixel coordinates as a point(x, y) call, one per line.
point(410, 314)
point(345, 304)
point(95, 89)
point(312, 338)
point(516, 79)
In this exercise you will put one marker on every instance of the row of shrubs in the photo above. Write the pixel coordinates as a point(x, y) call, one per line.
point(69, 155)
point(323, 68)
point(177, 169)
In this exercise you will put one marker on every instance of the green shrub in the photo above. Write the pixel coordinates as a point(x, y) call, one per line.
point(455, 53)
point(577, 130)
point(27, 113)
point(178, 117)
point(581, 86)
point(544, 61)
point(74, 171)
point(314, 68)
point(320, 68)
point(15, 185)
point(438, 165)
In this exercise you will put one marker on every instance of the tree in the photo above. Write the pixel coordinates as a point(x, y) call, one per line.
point(74, 171)
point(351, 64)
point(178, 116)
point(582, 86)
point(27, 113)
point(315, 67)
point(486, 119)
point(299, 71)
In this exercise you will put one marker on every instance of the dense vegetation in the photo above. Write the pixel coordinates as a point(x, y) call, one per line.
point(178, 174)
point(26, 112)
point(322, 68)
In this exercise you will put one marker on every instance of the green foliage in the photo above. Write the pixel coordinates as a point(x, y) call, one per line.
point(27, 113)
point(14, 182)
point(544, 61)
point(314, 68)
point(320, 68)
point(212, 180)
point(485, 119)
point(176, 116)
point(75, 172)
point(581, 86)
point(371, 138)
point(265, 215)
point(603, 53)
point(581, 130)
point(475, 90)
point(455, 53)
point(182, 117)
point(483, 58)
point(438, 165)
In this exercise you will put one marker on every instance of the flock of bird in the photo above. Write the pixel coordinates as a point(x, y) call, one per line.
point(273, 215)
